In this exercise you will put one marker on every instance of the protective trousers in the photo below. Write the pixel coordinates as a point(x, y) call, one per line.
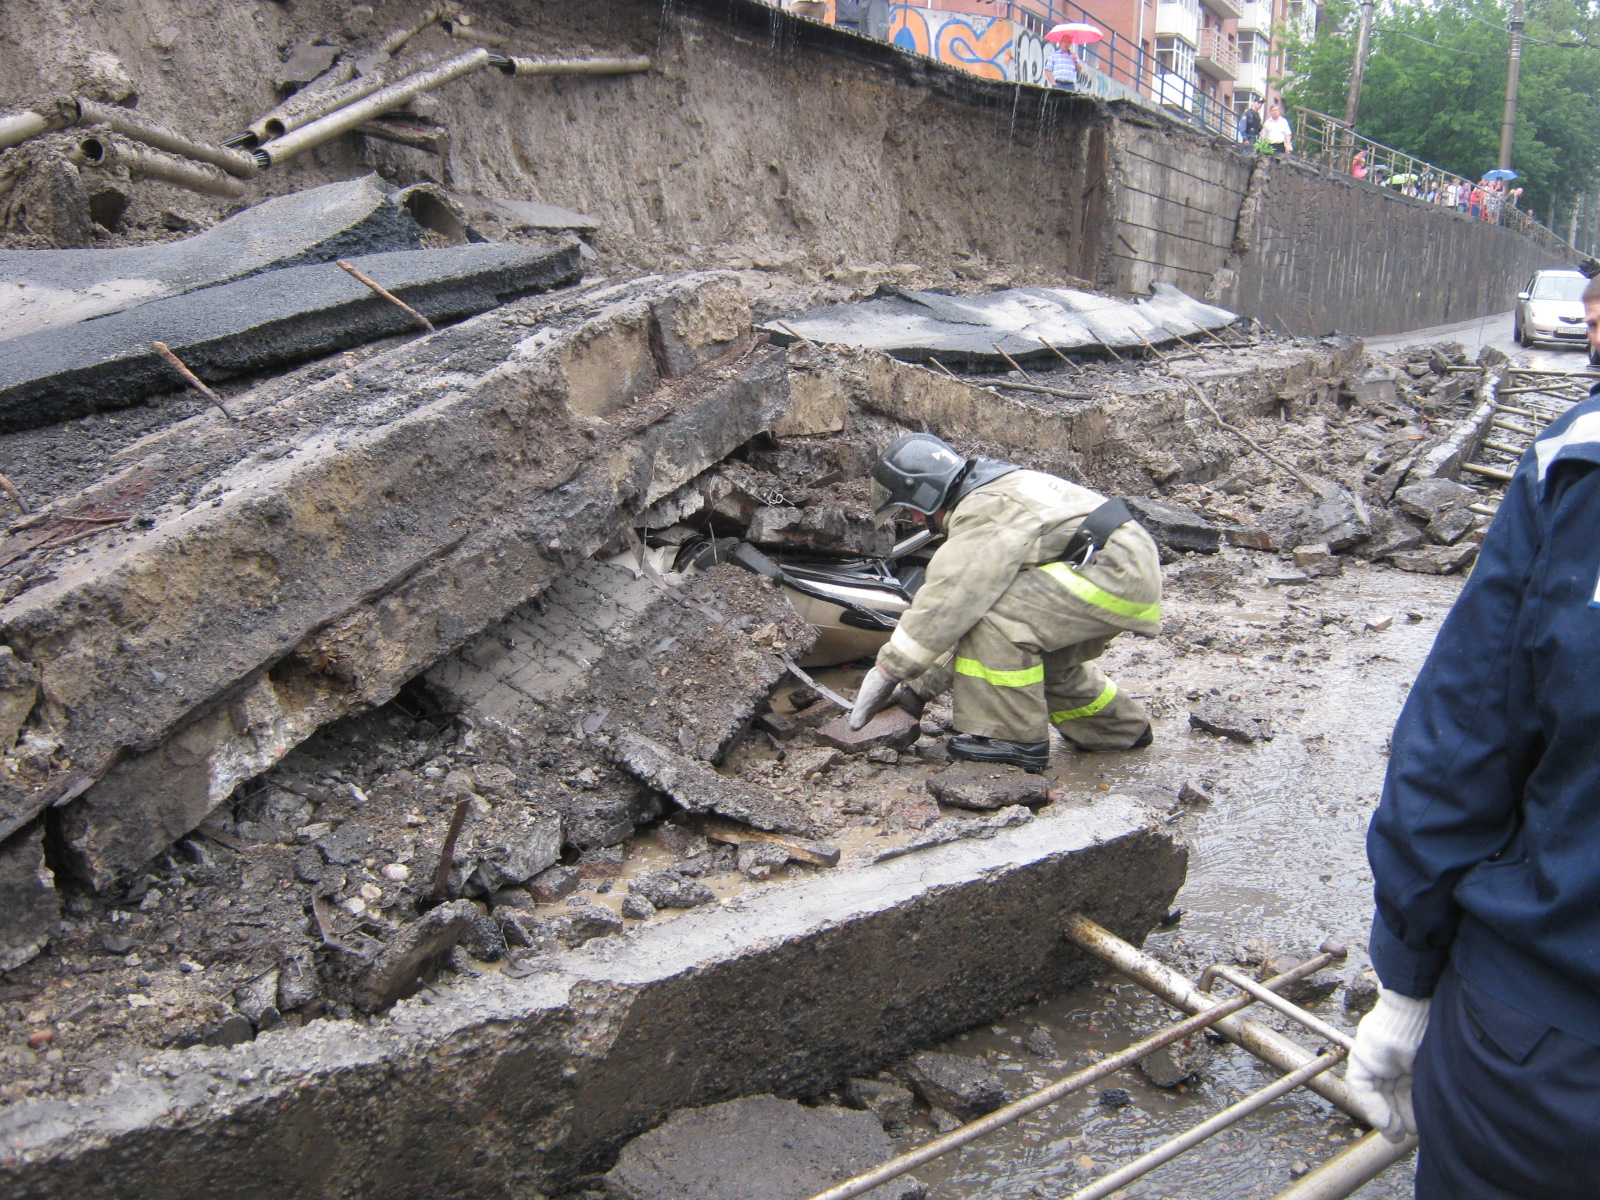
point(1028, 664)
point(1508, 1108)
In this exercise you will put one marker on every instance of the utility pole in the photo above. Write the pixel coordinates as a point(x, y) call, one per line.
point(1513, 66)
point(1358, 68)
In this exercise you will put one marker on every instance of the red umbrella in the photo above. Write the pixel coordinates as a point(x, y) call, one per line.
point(1074, 33)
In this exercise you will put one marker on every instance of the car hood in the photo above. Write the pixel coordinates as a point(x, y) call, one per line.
point(1557, 308)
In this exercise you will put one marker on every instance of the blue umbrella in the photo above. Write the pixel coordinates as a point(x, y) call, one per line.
point(1500, 173)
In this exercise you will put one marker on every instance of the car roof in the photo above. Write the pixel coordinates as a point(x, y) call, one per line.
point(1557, 271)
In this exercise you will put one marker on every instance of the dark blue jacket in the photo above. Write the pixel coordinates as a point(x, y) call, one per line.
point(1486, 845)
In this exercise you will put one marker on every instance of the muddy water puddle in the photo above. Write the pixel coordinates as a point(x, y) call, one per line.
point(1277, 864)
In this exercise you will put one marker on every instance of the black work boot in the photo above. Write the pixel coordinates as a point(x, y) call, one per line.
point(1032, 757)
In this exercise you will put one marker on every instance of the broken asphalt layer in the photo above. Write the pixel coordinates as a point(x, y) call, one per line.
point(264, 321)
point(39, 288)
point(1024, 322)
point(502, 1086)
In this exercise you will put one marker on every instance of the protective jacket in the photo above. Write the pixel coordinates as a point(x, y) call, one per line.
point(1021, 521)
point(1485, 847)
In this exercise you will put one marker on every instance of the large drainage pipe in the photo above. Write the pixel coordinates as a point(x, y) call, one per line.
point(109, 150)
point(121, 120)
point(383, 100)
point(19, 127)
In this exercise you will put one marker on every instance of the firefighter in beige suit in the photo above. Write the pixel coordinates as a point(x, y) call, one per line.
point(1035, 578)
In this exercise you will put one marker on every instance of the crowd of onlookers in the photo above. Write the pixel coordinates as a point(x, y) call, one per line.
point(1487, 200)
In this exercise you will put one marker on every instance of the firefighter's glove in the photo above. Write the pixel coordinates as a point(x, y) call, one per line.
point(874, 693)
point(1384, 1060)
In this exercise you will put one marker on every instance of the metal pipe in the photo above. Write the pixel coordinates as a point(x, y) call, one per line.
point(383, 100)
point(1293, 1011)
point(1231, 1115)
point(1077, 1081)
point(1347, 1170)
point(572, 66)
point(1264, 1043)
point(121, 120)
point(19, 127)
point(337, 86)
point(110, 150)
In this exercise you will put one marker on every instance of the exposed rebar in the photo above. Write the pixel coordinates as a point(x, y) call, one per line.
point(388, 295)
point(1349, 1169)
point(189, 377)
point(1077, 1081)
point(123, 121)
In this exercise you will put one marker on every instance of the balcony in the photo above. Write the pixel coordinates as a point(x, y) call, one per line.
point(1226, 10)
point(1251, 77)
point(1255, 16)
point(1179, 21)
point(1216, 55)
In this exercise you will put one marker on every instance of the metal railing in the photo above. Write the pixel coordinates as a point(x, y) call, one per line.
point(1331, 143)
point(1125, 62)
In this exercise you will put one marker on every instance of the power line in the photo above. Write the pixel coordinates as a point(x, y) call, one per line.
point(1437, 45)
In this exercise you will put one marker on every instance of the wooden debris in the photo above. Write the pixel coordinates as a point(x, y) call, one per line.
point(817, 854)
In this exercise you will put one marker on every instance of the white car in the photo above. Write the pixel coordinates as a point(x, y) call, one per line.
point(1550, 309)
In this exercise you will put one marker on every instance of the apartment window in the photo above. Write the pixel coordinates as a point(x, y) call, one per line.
point(1247, 48)
point(1175, 55)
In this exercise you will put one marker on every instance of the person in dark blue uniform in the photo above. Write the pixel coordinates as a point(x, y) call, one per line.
point(1485, 851)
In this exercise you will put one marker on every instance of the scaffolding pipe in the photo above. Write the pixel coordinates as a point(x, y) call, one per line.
point(109, 151)
point(1347, 1170)
point(385, 99)
point(121, 120)
point(1264, 1043)
point(1191, 1138)
point(573, 66)
point(1077, 1081)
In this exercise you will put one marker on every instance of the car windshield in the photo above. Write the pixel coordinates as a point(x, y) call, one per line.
point(1558, 287)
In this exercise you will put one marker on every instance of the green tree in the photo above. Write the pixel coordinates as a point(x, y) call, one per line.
point(1435, 88)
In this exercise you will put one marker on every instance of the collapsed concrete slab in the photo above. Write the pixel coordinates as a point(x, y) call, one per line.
point(257, 323)
point(322, 571)
point(501, 1084)
point(1024, 322)
point(40, 288)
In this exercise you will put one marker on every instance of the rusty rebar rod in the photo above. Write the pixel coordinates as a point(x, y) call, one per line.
point(1108, 346)
point(10, 489)
point(1051, 346)
point(1077, 1081)
point(1349, 1169)
point(447, 852)
point(1190, 1138)
point(388, 295)
point(1293, 1011)
point(1015, 365)
point(190, 378)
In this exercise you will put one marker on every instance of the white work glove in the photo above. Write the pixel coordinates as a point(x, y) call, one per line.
point(1384, 1060)
point(874, 693)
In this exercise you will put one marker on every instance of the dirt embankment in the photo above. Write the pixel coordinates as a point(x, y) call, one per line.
point(727, 153)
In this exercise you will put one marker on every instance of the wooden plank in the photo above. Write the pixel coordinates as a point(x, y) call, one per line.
point(817, 854)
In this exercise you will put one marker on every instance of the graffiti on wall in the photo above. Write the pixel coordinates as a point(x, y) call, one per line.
point(981, 45)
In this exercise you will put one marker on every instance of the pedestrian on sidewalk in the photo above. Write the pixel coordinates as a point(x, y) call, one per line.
point(1485, 1041)
point(1277, 132)
point(1035, 577)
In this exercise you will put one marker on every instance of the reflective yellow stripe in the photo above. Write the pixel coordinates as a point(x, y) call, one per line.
point(1022, 678)
point(1088, 710)
point(1098, 596)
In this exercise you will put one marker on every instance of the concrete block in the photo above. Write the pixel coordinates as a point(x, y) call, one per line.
point(818, 403)
point(1436, 560)
point(983, 786)
point(27, 898)
point(893, 727)
point(698, 788)
point(603, 1042)
point(1174, 528)
point(316, 225)
point(1427, 499)
point(253, 324)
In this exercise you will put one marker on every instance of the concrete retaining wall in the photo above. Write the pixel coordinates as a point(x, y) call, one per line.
point(1301, 248)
